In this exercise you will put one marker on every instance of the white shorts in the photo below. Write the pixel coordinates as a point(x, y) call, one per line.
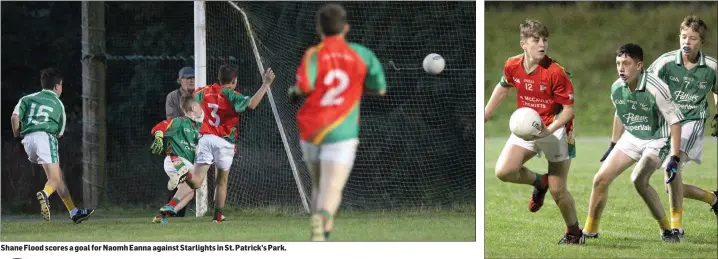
point(212, 149)
point(41, 148)
point(692, 140)
point(175, 165)
point(343, 151)
point(555, 146)
point(635, 147)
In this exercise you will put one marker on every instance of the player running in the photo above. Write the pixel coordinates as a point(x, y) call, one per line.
point(333, 75)
point(645, 109)
point(182, 134)
point(39, 119)
point(690, 75)
point(543, 85)
point(221, 104)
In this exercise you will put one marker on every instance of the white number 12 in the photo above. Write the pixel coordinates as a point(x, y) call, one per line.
point(331, 97)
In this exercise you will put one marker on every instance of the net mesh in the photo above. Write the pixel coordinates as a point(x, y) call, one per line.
point(417, 143)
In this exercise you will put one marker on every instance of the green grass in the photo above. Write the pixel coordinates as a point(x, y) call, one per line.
point(136, 226)
point(584, 39)
point(627, 228)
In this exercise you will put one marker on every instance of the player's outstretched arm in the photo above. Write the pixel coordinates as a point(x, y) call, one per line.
point(497, 97)
point(267, 80)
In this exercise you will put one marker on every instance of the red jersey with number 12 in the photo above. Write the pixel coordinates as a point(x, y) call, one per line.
point(221, 107)
point(545, 90)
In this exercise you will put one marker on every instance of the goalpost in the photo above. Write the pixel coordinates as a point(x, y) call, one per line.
point(200, 54)
point(417, 143)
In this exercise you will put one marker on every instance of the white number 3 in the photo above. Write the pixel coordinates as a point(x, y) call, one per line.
point(214, 108)
point(331, 97)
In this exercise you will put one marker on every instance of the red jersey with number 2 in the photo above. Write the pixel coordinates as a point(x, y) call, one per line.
point(221, 107)
point(332, 74)
point(545, 90)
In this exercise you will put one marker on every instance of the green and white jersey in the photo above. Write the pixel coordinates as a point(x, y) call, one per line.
point(41, 111)
point(688, 87)
point(648, 111)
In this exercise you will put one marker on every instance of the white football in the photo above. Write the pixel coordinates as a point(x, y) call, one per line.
point(434, 64)
point(525, 123)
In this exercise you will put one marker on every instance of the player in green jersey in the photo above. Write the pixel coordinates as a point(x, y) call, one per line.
point(690, 75)
point(39, 119)
point(182, 134)
point(645, 109)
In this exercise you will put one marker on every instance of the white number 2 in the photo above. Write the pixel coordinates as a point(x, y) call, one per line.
point(41, 112)
point(214, 115)
point(331, 97)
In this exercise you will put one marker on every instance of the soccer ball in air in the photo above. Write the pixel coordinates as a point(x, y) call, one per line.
point(434, 64)
point(525, 123)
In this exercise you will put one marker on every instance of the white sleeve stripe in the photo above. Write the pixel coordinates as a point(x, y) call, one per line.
point(17, 107)
point(64, 118)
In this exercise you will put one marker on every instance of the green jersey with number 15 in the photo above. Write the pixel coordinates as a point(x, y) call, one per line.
point(41, 111)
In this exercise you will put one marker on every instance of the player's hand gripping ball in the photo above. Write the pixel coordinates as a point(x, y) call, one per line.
point(434, 64)
point(525, 123)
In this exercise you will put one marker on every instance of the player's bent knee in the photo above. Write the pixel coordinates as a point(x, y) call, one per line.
point(506, 173)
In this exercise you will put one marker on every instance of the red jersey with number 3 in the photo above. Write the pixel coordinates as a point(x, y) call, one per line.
point(333, 74)
point(545, 90)
point(221, 107)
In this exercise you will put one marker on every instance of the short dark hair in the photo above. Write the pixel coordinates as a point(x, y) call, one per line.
point(632, 50)
point(331, 19)
point(49, 77)
point(227, 73)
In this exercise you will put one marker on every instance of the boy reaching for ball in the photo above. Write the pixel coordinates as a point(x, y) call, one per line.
point(543, 85)
point(182, 134)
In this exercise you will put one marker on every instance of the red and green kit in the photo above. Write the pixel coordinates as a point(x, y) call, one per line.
point(333, 75)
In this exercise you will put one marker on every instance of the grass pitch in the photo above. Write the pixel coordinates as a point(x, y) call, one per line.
point(627, 228)
point(241, 226)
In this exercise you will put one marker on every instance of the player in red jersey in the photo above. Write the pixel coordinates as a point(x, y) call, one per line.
point(333, 75)
point(543, 85)
point(219, 132)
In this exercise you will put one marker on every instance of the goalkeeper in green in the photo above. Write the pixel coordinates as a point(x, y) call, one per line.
point(39, 120)
point(182, 134)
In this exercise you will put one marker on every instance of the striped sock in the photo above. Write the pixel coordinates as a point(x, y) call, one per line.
point(174, 202)
point(540, 182)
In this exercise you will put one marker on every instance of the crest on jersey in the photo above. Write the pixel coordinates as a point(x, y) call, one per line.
point(542, 87)
point(702, 85)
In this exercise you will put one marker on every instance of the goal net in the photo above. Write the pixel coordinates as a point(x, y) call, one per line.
point(417, 143)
